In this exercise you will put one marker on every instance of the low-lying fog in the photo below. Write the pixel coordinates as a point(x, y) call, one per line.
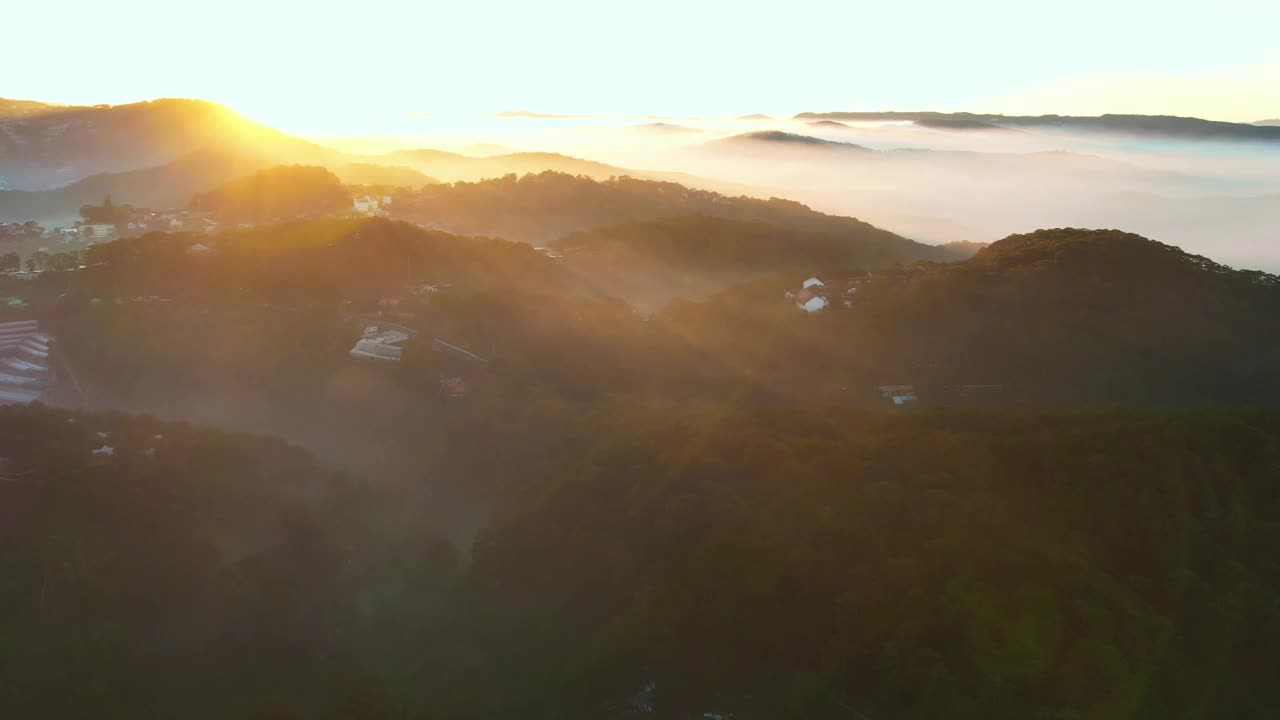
point(1220, 199)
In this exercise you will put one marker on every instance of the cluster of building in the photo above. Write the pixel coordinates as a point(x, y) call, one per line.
point(816, 296)
point(143, 220)
point(370, 204)
point(24, 362)
point(136, 221)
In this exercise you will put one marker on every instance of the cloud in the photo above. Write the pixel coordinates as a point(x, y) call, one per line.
point(529, 115)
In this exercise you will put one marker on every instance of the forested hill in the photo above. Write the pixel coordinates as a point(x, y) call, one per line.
point(648, 262)
point(778, 138)
point(1059, 316)
point(829, 564)
point(541, 208)
point(708, 242)
point(275, 194)
point(756, 563)
point(1065, 315)
point(456, 167)
point(307, 263)
point(173, 184)
point(162, 570)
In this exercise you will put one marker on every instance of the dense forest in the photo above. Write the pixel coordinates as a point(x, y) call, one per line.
point(710, 243)
point(275, 194)
point(159, 570)
point(692, 256)
point(648, 561)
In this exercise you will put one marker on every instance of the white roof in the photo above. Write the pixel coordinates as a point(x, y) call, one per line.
point(814, 281)
point(376, 351)
point(387, 337)
point(815, 304)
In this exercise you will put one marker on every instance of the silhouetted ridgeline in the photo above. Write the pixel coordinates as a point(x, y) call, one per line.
point(692, 256)
point(541, 208)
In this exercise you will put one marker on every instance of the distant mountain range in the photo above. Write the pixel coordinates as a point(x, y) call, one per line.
point(173, 184)
point(159, 154)
point(453, 167)
point(783, 139)
point(1150, 125)
point(45, 146)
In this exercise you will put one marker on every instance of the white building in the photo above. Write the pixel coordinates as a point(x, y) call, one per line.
point(814, 304)
point(98, 232)
point(365, 204)
point(812, 297)
point(380, 345)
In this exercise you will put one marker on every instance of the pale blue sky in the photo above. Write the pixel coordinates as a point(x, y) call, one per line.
point(343, 67)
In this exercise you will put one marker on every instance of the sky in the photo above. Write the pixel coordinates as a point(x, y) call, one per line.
point(337, 68)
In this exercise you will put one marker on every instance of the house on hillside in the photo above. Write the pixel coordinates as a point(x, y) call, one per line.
point(810, 301)
point(365, 204)
point(378, 344)
point(812, 296)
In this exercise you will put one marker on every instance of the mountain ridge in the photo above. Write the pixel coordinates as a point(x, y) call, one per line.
point(1152, 125)
point(55, 146)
